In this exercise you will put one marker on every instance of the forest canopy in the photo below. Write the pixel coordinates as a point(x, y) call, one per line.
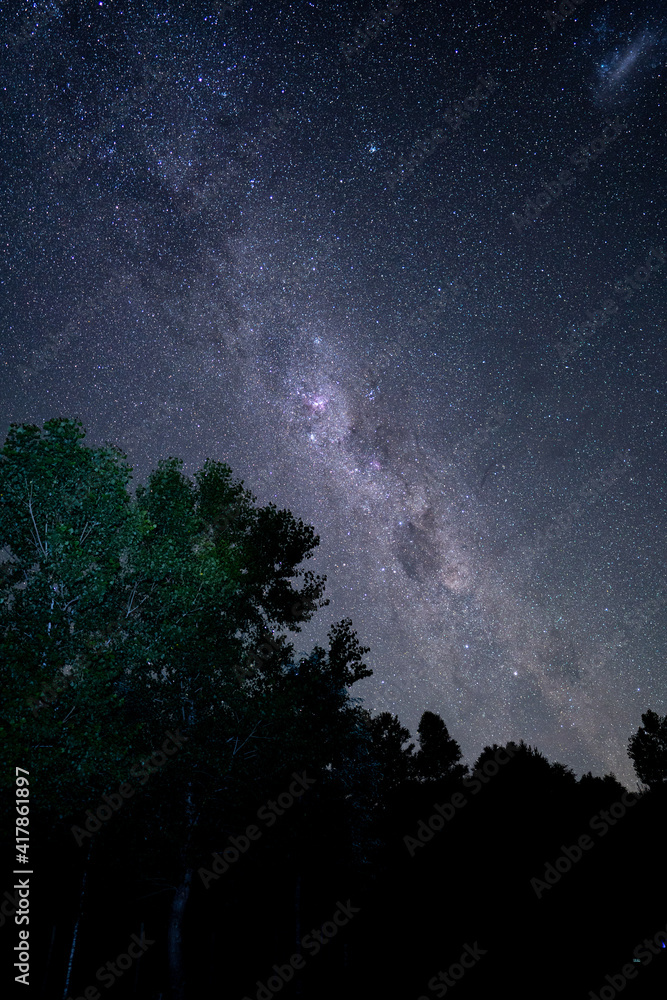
point(149, 684)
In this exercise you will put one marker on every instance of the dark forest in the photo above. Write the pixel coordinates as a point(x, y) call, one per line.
point(202, 814)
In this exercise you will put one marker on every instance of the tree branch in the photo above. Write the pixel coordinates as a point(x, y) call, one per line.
point(84, 533)
point(35, 532)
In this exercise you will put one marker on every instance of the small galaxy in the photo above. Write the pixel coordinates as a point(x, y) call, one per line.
point(627, 57)
point(268, 235)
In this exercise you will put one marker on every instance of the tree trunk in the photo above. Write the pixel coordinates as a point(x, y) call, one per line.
point(175, 939)
point(137, 964)
point(178, 905)
point(297, 930)
point(75, 935)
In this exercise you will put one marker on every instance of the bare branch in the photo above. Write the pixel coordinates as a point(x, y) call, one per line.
point(250, 736)
point(129, 603)
point(130, 609)
point(198, 592)
point(85, 533)
point(35, 532)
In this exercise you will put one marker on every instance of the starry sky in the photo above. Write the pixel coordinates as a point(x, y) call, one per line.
point(404, 269)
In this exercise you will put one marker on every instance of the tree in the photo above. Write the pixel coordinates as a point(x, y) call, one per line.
point(648, 750)
point(211, 583)
point(395, 761)
point(606, 786)
point(529, 765)
point(439, 754)
point(144, 605)
point(65, 521)
point(311, 718)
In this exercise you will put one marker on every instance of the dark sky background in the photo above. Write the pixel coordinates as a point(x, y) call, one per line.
point(205, 255)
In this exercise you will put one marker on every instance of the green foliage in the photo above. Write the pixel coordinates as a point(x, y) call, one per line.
point(123, 617)
point(65, 521)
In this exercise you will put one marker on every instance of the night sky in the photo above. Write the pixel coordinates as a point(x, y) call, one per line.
point(404, 270)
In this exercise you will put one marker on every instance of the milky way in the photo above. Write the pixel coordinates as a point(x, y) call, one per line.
point(204, 258)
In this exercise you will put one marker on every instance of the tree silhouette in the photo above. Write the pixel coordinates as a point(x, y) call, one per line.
point(396, 762)
point(438, 755)
point(123, 617)
point(530, 764)
point(607, 785)
point(648, 749)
